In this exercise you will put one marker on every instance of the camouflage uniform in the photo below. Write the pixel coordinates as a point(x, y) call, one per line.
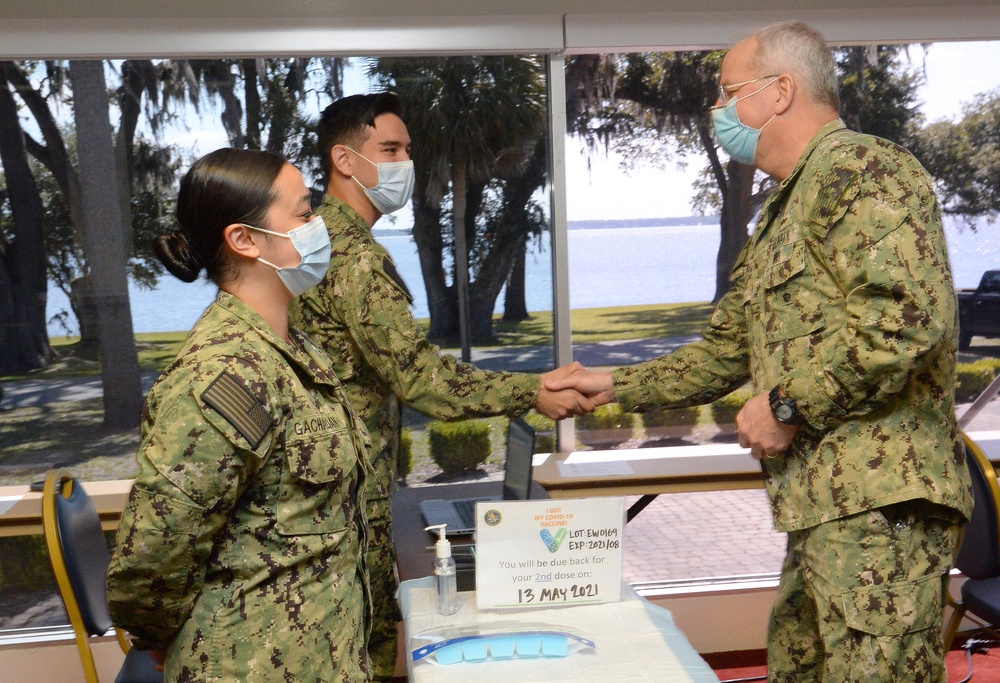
point(360, 314)
point(843, 297)
point(240, 551)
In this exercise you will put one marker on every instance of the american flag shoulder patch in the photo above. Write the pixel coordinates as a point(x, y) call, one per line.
point(233, 401)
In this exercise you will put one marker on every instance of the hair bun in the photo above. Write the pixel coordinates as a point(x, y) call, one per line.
point(177, 256)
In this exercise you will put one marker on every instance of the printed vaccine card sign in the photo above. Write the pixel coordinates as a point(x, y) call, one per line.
point(539, 553)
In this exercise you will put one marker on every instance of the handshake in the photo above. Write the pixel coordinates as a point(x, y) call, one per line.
point(573, 390)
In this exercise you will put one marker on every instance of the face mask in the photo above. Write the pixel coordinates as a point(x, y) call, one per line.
point(312, 242)
point(395, 184)
point(737, 139)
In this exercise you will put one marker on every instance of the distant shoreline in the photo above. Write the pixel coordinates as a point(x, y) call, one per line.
point(603, 224)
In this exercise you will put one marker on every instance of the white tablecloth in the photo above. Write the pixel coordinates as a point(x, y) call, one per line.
point(635, 641)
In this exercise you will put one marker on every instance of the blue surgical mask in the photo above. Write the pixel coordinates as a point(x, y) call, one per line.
point(737, 139)
point(312, 242)
point(395, 184)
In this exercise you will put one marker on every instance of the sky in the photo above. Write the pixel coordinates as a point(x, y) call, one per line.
point(955, 73)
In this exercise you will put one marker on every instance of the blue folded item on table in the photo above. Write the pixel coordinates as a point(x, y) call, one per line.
point(452, 645)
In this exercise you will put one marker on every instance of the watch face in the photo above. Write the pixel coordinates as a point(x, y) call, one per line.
point(783, 411)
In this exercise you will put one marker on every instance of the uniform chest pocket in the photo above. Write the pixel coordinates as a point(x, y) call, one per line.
point(319, 487)
point(792, 307)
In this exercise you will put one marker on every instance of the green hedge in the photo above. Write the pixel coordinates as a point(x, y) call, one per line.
point(972, 378)
point(609, 416)
point(670, 417)
point(458, 446)
point(24, 563)
point(724, 410)
point(405, 463)
point(545, 431)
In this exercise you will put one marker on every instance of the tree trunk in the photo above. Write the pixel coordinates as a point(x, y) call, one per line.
point(24, 341)
point(515, 305)
point(509, 240)
point(87, 309)
point(252, 97)
point(458, 186)
point(494, 271)
point(440, 298)
point(104, 245)
point(737, 210)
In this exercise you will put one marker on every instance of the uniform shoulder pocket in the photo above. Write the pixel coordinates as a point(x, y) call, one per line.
point(835, 196)
point(231, 399)
point(390, 269)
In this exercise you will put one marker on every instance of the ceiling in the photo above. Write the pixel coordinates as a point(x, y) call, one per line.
point(190, 28)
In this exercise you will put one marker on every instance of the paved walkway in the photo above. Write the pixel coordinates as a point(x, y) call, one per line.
point(23, 393)
point(702, 535)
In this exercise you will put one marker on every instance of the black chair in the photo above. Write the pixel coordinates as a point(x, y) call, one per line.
point(979, 556)
point(78, 551)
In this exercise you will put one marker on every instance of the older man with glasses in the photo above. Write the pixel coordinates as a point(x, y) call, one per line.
point(842, 315)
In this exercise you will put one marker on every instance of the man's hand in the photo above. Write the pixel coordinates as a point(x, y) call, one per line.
point(759, 431)
point(560, 403)
point(599, 387)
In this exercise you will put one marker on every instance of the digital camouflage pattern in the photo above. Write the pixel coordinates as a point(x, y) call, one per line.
point(842, 296)
point(862, 596)
point(360, 315)
point(241, 549)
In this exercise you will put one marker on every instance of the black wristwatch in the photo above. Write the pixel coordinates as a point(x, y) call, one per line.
point(784, 408)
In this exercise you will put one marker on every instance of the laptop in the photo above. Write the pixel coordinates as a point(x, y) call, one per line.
point(459, 514)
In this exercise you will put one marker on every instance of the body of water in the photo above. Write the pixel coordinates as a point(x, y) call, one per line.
point(619, 266)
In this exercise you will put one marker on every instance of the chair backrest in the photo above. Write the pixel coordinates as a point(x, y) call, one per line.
point(79, 554)
point(979, 556)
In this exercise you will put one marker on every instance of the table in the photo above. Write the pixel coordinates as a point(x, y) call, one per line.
point(641, 471)
point(636, 642)
point(648, 472)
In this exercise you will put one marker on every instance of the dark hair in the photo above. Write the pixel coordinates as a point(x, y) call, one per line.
point(345, 122)
point(223, 187)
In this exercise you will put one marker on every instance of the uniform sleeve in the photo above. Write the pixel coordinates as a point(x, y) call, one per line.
point(377, 315)
point(885, 242)
point(195, 460)
point(698, 372)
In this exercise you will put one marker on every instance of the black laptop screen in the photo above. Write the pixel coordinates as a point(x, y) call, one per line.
point(520, 449)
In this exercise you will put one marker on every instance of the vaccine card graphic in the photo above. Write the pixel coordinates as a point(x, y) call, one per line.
point(553, 543)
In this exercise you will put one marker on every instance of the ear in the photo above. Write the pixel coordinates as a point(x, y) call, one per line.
point(342, 161)
point(785, 89)
point(240, 240)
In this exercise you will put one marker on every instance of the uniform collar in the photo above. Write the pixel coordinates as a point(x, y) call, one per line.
point(302, 352)
point(777, 198)
point(828, 129)
point(342, 207)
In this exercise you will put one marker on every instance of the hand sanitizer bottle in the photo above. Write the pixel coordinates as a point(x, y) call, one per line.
point(444, 573)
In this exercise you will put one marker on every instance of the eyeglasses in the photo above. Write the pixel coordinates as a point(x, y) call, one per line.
point(727, 91)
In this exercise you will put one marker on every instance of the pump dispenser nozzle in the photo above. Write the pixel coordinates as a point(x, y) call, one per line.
point(443, 546)
point(444, 572)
